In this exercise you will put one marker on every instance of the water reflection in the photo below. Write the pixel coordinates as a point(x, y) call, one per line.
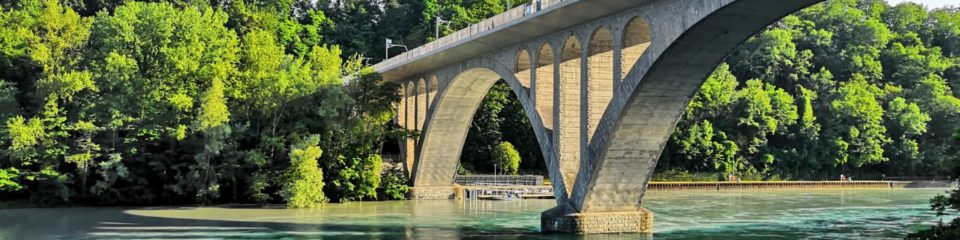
point(679, 215)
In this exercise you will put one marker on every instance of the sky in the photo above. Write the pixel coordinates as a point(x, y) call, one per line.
point(929, 3)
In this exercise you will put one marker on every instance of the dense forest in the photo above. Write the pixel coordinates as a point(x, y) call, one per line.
point(212, 101)
point(853, 87)
point(124, 102)
point(844, 87)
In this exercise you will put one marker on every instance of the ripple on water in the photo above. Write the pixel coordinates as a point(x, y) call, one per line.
point(825, 214)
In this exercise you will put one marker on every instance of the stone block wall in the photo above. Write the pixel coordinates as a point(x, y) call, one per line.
point(431, 193)
point(556, 220)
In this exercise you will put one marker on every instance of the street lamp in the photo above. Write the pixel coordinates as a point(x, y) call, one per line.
point(389, 44)
point(436, 26)
point(495, 182)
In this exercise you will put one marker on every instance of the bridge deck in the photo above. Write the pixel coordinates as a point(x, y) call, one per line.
point(509, 28)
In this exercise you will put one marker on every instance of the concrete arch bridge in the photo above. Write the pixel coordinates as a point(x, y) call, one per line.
point(603, 83)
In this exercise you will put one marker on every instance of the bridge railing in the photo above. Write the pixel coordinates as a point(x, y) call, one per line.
point(472, 30)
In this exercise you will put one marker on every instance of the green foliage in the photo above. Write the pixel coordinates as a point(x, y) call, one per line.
point(373, 175)
point(506, 157)
point(857, 121)
point(24, 136)
point(179, 102)
point(258, 184)
point(682, 175)
point(716, 96)
point(394, 185)
point(213, 108)
point(9, 180)
point(853, 87)
point(304, 180)
point(48, 186)
point(8, 102)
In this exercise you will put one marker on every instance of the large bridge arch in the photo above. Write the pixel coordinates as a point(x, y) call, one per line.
point(451, 113)
point(624, 152)
point(437, 163)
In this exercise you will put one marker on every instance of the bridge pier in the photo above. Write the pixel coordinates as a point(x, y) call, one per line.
point(561, 219)
point(431, 193)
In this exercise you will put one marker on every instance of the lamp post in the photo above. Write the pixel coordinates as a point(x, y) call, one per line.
point(495, 182)
point(436, 26)
point(389, 44)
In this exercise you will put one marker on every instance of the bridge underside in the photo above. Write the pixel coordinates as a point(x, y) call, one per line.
point(603, 97)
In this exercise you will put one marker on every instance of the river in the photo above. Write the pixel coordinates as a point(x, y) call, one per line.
point(787, 214)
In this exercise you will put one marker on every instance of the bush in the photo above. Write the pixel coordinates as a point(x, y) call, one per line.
point(304, 185)
point(507, 158)
point(8, 180)
point(394, 185)
point(372, 171)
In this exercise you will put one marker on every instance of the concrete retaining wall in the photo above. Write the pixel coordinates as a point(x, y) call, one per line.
point(666, 186)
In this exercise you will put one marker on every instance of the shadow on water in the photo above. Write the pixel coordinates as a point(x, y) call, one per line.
point(134, 223)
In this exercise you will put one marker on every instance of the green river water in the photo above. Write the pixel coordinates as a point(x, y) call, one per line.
point(787, 214)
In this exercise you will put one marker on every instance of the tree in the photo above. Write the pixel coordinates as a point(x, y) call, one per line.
point(716, 96)
point(304, 184)
point(857, 122)
point(766, 110)
point(507, 158)
point(906, 122)
point(166, 72)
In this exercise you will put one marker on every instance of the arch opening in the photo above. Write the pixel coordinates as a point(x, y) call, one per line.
point(569, 135)
point(636, 40)
point(421, 103)
point(432, 86)
point(500, 119)
point(409, 118)
point(600, 77)
point(523, 70)
point(543, 89)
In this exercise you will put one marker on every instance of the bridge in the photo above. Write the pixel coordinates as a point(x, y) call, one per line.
point(603, 83)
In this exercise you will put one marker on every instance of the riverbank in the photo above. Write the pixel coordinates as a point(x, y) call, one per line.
point(545, 191)
point(753, 185)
